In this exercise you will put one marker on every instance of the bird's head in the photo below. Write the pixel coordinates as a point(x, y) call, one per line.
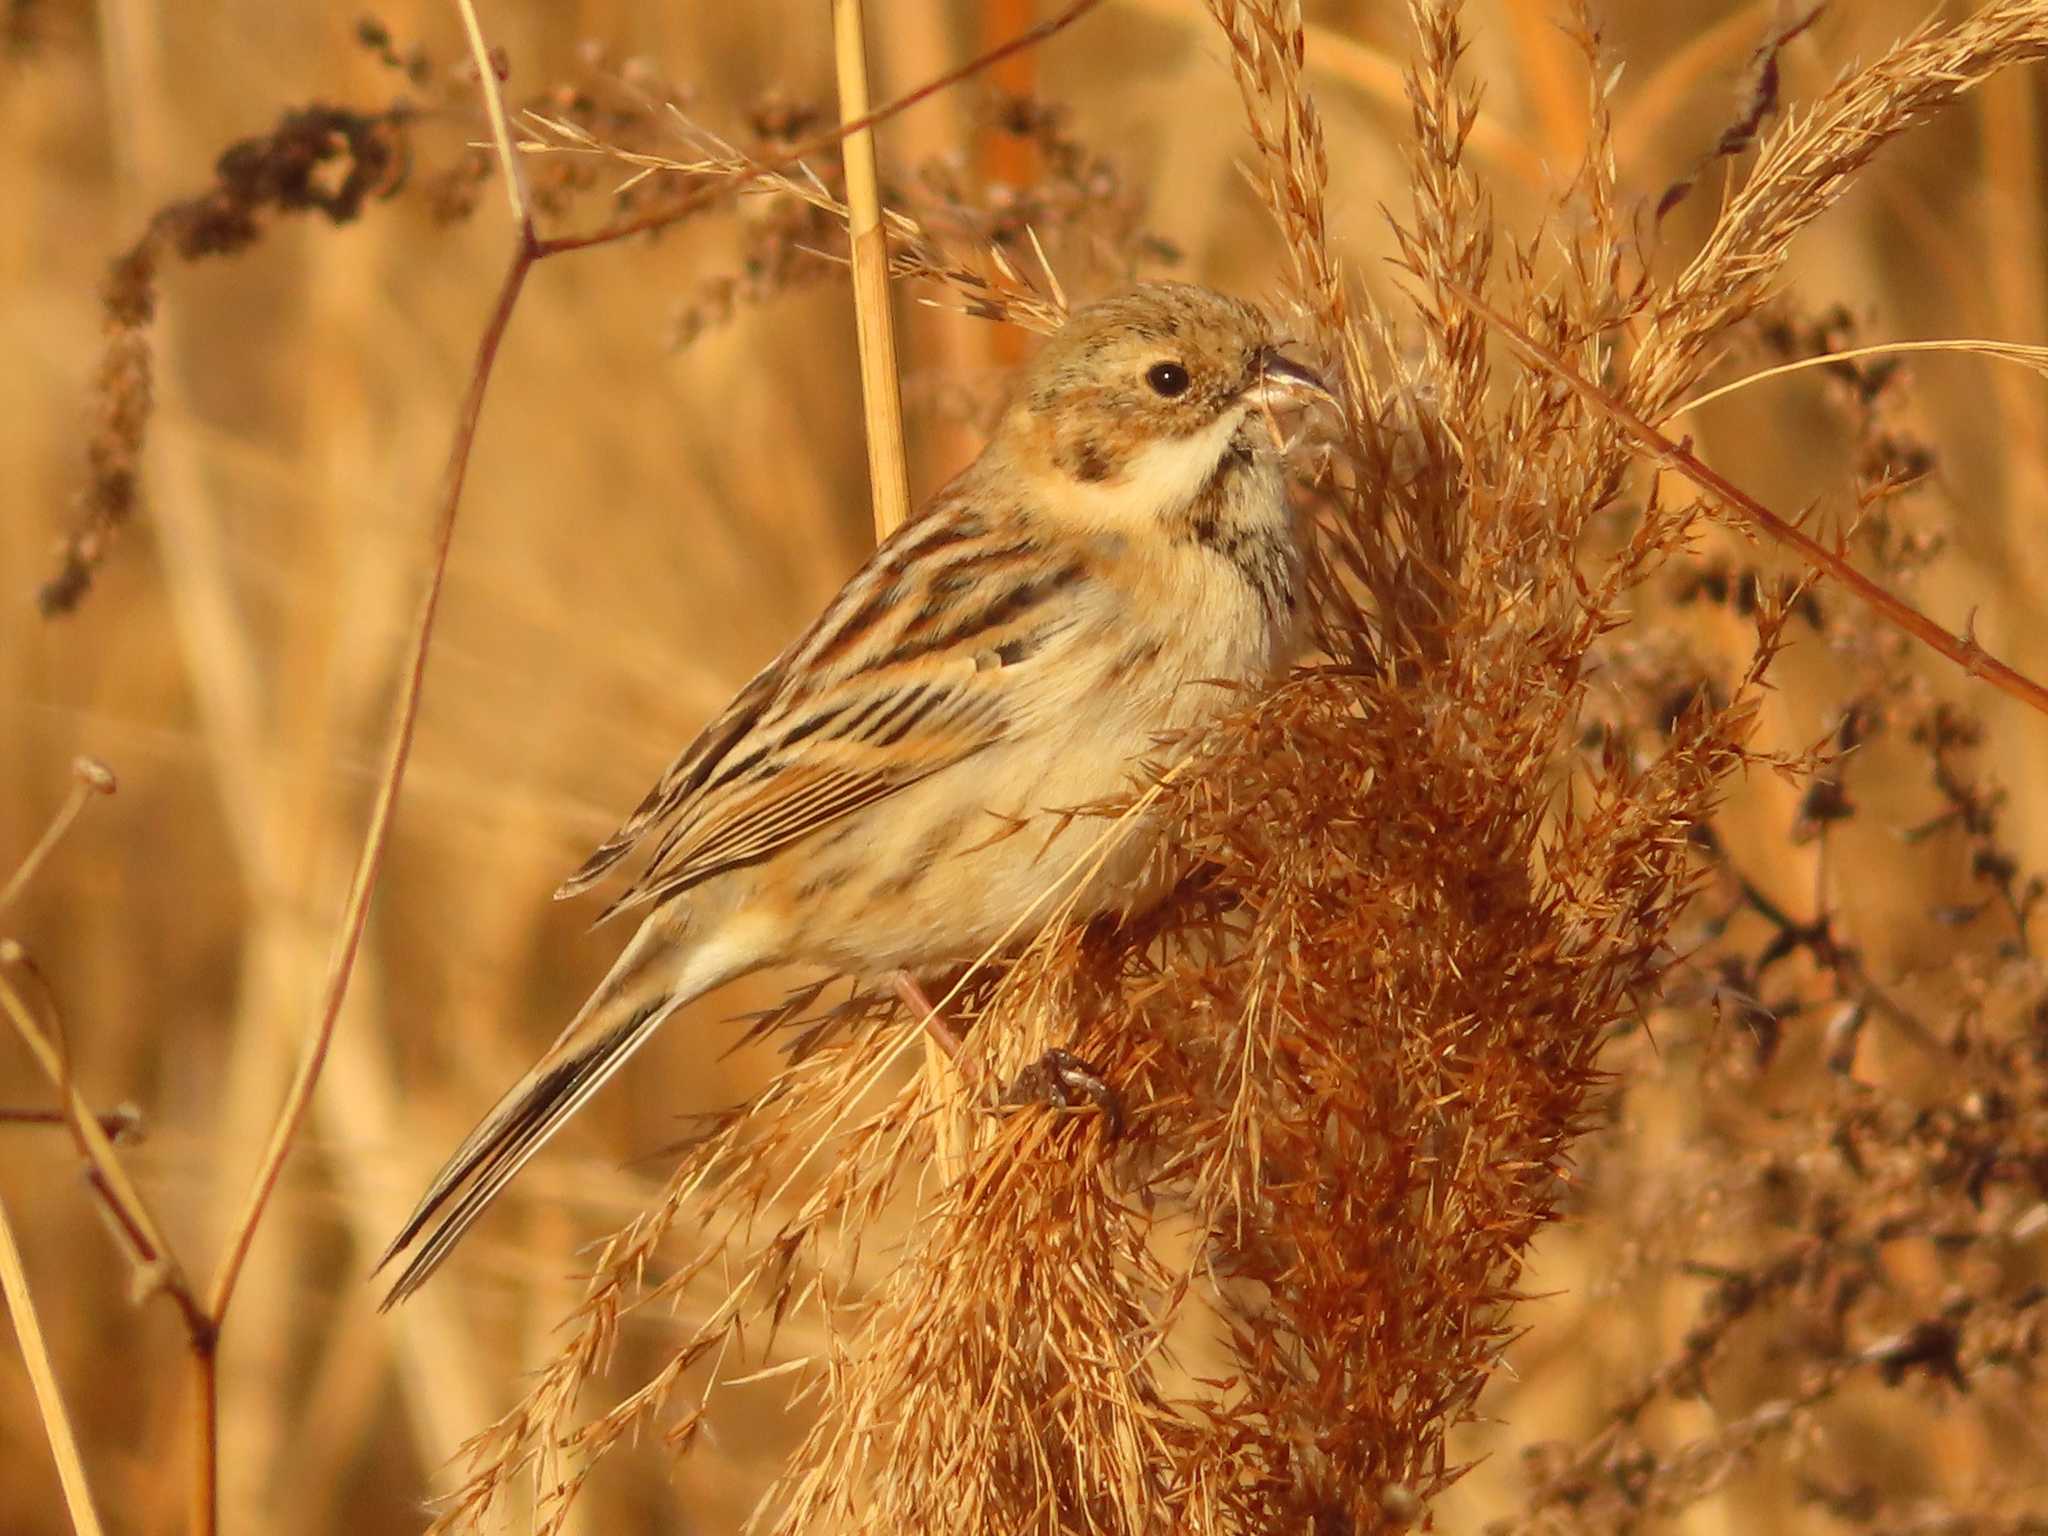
point(1139, 399)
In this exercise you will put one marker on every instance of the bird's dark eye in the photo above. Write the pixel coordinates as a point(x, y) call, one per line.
point(1168, 379)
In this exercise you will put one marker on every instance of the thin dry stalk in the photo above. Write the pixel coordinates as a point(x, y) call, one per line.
point(89, 777)
point(42, 1375)
point(376, 837)
point(874, 321)
point(1963, 650)
point(156, 1268)
point(2032, 358)
point(888, 467)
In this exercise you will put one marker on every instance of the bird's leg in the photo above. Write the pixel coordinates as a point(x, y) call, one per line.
point(1059, 1078)
point(935, 1025)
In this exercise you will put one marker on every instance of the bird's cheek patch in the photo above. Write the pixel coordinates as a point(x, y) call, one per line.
point(1087, 459)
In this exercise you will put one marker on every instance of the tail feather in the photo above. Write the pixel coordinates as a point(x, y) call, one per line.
point(515, 1130)
point(652, 978)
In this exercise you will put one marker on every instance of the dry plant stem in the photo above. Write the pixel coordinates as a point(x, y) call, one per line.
point(155, 1263)
point(157, 1266)
point(1963, 649)
point(112, 1123)
point(501, 126)
point(88, 778)
point(2032, 358)
point(889, 478)
point(35, 1355)
point(377, 836)
point(944, 1042)
point(881, 398)
point(818, 143)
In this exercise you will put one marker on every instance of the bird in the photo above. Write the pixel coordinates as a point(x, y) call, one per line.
point(892, 795)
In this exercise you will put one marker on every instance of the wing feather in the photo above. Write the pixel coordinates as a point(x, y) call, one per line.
point(685, 776)
point(912, 669)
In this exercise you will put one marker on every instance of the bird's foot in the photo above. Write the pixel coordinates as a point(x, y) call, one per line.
point(1064, 1080)
point(1059, 1078)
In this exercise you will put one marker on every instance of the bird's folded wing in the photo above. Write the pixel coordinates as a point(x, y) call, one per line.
point(920, 661)
point(685, 776)
point(800, 763)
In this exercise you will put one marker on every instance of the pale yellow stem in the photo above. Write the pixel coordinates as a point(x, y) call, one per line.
point(42, 1377)
point(157, 1268)
point(888, 475)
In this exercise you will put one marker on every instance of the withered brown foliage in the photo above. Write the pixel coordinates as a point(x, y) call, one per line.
point(334, 161)
point(318, 160)
point(1759, 105)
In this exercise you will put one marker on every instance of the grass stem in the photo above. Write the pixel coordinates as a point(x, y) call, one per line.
point(888, 471)
point(42, 1376)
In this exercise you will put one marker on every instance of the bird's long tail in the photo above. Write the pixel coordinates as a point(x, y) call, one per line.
point(654, 976)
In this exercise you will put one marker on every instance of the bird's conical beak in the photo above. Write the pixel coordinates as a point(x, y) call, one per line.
point(1283, 381)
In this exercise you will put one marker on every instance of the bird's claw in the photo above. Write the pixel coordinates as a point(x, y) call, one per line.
point(1064, 1080)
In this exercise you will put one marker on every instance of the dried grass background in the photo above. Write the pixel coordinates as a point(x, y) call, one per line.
point(1799, 1279)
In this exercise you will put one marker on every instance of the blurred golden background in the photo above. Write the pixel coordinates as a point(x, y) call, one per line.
point(644, 524)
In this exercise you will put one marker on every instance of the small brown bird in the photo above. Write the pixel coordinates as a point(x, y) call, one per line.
point(1122, 547)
